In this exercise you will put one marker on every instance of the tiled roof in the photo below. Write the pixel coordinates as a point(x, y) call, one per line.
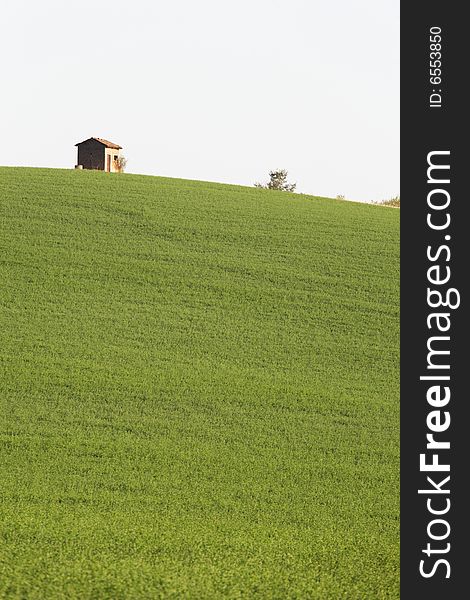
point(106, 143)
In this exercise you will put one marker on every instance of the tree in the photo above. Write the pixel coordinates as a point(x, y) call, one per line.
point(277, 181)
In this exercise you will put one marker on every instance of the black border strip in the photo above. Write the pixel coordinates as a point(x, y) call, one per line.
point(426, 128)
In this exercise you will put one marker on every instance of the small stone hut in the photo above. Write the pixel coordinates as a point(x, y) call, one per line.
point(99, 154)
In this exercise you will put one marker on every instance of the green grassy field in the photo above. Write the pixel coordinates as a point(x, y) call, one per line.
point(199, 388)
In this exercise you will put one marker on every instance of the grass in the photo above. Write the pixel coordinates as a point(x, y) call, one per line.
point(199, 388)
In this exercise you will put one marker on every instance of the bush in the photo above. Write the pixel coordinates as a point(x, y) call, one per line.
point(395, 201)
point(277, 181)
point(120, 164)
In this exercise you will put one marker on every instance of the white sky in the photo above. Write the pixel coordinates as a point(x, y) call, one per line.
point(208, 89)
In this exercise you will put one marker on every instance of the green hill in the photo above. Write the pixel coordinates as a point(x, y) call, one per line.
point(199, 389)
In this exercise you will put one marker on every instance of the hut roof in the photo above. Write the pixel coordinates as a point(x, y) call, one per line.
point(106, 143)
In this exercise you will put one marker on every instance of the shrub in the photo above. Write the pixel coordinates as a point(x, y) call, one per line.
point(120, 164)
point(395, 201)
point(277, 181)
